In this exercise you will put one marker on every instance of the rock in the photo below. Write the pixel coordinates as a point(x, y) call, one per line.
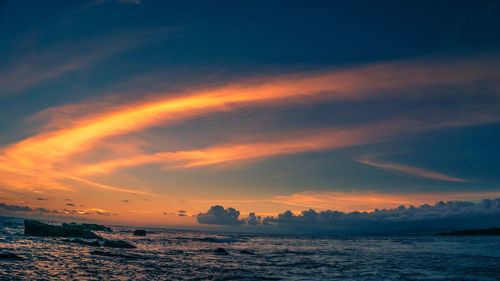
point(140, 232)
point(118, 244)
point(36, 228)
point(9, 256)
point(89, 226)
point(216, 239)
point(246, 252)
point(221, 251)
point(489, 231)
point(94, 243)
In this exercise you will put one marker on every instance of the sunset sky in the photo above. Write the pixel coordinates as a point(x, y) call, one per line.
point(150, 112)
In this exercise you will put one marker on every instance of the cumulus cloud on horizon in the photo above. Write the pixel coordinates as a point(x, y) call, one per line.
point(219, 216)
point(425, 218)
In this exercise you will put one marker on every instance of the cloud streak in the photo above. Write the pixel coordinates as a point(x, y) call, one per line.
point(415, 171)
point(281, 144)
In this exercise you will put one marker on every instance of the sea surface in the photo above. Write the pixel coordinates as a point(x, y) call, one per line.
point(190, 255)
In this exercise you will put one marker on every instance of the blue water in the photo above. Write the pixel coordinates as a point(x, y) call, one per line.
point(189, 255)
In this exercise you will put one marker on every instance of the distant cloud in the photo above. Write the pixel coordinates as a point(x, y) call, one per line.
point(41, 210)
point(219, 216)
point(42, 199)
point(15, 208)
point(125, 201)
point(253, 219)
point(45, 210)
point(426, 218)
point(70, 204)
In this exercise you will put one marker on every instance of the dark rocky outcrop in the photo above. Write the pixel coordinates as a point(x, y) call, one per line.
point(118, 244)
point(89, 226)
point(140, 232)
point(221, 251)
point(470, 232)
point(94, 243)
point(9, 256)
point(36, 228)
point(246, 252)
point(216, 239)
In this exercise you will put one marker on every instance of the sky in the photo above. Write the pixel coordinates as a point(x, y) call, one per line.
point(158, 112)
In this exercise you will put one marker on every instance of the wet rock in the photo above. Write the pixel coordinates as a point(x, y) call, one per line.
point(88, 226)
point(246, 252)
point(118, 244)
point(221, 251)
point(9, 256)
point(94, 243)
point(140, 232)
point(216, 239)
point(36, 228)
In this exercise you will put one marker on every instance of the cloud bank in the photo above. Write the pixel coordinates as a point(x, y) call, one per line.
point(423, 219)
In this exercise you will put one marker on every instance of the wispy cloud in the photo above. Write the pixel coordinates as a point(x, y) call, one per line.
point(278, 144)
point(36, 66)
point(44, 158)
point(415, 171)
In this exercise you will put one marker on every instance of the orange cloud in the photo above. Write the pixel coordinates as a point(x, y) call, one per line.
point(297, 142)
point(47, 152)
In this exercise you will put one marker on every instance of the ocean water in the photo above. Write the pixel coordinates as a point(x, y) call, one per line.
point(190, 255)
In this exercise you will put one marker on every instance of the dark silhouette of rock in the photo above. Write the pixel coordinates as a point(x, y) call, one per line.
point(469, 232)
point(221, 251)
point(94, 243)
point(89, 226)
point(140, 232)
point(216, 239)
point(246, 252)
point(36, 228)
point(9, 256)
point(118, 244)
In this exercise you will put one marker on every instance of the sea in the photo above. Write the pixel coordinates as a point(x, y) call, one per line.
point(167, 254)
